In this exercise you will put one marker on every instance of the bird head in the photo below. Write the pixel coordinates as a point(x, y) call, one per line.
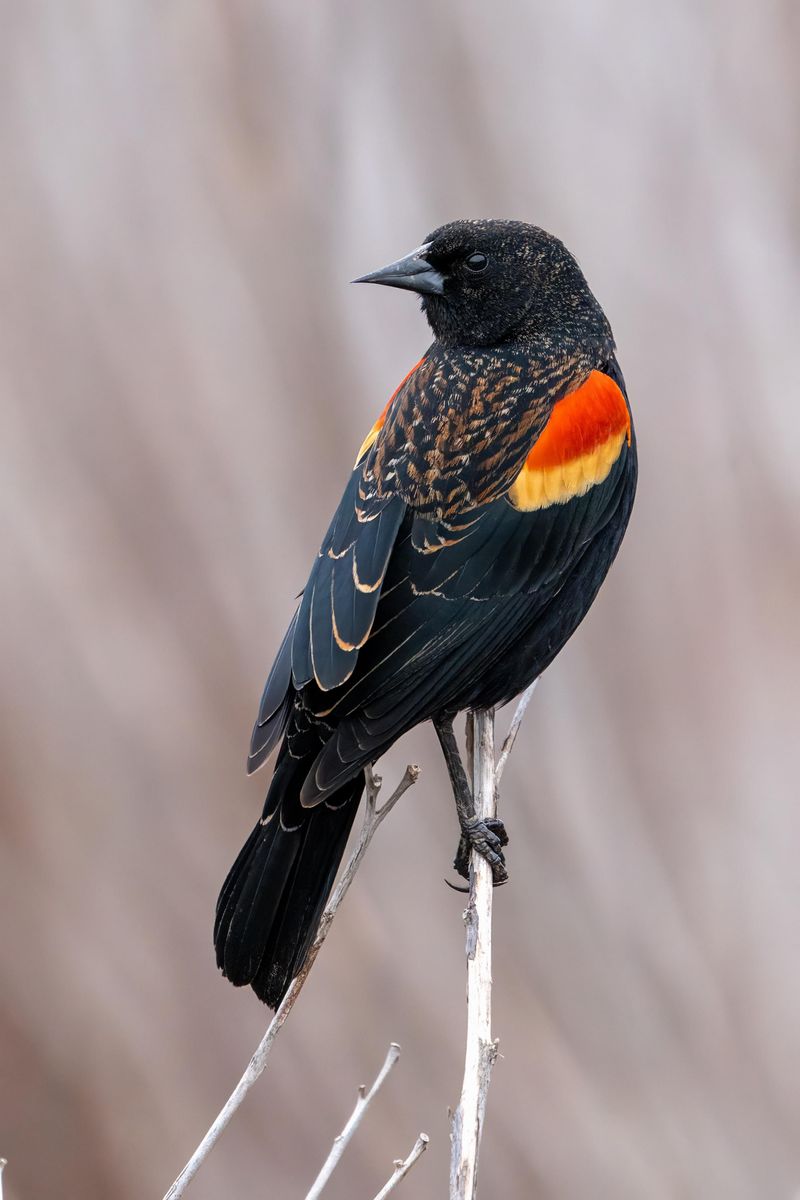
point(486, 283)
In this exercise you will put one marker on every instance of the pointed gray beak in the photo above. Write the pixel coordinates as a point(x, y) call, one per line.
point(413, 272)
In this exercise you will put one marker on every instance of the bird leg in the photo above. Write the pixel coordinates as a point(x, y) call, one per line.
point(486, 836)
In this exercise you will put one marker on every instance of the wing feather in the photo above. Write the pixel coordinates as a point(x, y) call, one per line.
point(343, 590)
point(275, 706)
point(419, 592)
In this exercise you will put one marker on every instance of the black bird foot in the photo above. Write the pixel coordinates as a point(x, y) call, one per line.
point(488, 838)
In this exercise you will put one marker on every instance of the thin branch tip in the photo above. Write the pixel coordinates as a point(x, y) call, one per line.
point(513, 730)
point(410, 777)
point(403, 1165)
point(342, 1140)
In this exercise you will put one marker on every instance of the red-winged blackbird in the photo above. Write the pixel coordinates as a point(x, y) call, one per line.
point(485, 507)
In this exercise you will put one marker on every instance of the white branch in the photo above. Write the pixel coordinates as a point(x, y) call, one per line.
point(341, 1142)
point(466, 1124)
point(373, 817)
point(467, 1121)
point(513, 730)
point(403, 1165)
point(3, 1162)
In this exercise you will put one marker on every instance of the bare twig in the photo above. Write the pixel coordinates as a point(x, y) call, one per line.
point(373, 817)
point(467, 1121)
point(466, 1124)
point(403, 1165)
point(513, 730)
point(3, 1162)
point(341, 1142)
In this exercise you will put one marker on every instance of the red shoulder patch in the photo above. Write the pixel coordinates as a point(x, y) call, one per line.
point(577, 447)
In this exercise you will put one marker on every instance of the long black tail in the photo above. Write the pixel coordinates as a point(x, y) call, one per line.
point(272, 900)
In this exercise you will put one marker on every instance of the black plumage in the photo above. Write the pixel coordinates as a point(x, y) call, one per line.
point(442, 583)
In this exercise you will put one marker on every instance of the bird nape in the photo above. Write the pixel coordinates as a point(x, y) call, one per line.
point(483, 512)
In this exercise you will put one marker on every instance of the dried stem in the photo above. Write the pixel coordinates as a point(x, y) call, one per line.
point(3, 1162)
point(373, 817)
point(513, 730)
point(403, 1165)
point(466, 1124)
point(341, 1142)
point(467, 1121)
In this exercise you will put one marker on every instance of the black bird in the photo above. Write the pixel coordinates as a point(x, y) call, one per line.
point(484, 510)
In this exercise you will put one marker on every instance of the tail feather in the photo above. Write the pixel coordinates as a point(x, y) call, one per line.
point(271, 902)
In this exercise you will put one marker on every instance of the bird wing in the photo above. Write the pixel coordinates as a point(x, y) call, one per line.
point(457, 599)
point(477, 488)
point(339, 601)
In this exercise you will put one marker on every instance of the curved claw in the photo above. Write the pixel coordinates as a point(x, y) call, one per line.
point(455, 888)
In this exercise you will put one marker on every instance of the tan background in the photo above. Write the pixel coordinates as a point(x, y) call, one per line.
point(185, 190)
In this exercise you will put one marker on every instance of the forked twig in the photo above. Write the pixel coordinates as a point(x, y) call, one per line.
point(373, 817)
point(341, 1142)
point(403, 1165)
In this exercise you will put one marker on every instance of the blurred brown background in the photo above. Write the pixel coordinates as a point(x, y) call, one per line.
point(185, 190)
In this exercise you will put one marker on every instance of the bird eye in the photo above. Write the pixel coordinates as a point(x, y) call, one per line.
point(476, 263)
